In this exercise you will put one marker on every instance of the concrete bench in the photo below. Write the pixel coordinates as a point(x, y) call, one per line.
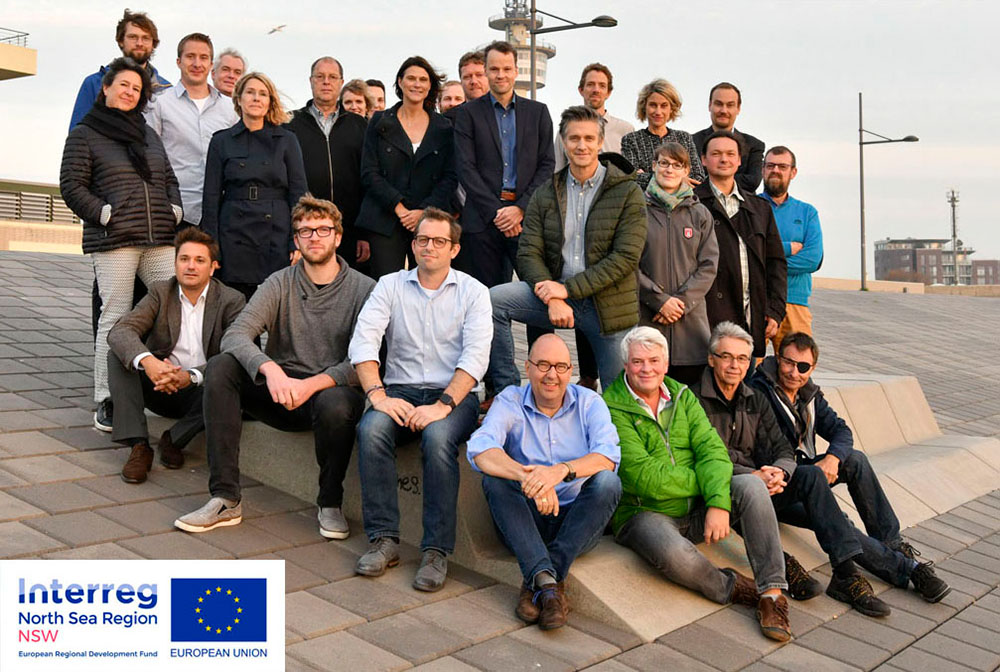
point(923, 472)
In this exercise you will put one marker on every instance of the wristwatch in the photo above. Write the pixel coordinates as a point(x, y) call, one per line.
point(571, 476)
point(446, 399)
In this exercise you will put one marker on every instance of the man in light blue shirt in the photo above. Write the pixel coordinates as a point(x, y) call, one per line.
point(186, 116)
point(801, 236)
point(438, 328)
point(548, 452)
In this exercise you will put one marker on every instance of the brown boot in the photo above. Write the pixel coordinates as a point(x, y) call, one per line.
point(773, 618)
point(527, 610)
point(554, 609)
point(171, 456)
point(138, 464)
point(744, 589)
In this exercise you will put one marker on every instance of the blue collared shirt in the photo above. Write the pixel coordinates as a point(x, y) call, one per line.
point(581, 427)
point(579, 197)
point(185, 133)
point(507, 125)
point(429, 333)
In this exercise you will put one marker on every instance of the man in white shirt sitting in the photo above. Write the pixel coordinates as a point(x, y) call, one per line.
point(159, 350)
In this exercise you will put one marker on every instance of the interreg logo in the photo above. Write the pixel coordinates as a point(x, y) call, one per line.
point(218, 610)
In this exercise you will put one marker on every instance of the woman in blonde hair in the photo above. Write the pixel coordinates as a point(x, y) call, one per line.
point(254, 175)
point(659, 104)
point(354, 97)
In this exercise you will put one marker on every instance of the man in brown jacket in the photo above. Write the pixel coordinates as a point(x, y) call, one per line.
point(159, 350)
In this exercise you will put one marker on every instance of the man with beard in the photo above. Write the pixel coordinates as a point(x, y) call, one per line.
point(596, 85)
point(137, 38)
point(798, 224)
point(302, 380)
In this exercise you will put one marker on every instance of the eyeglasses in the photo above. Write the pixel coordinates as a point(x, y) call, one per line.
point(321, 231)
point(783, 167)
point(670, 165)
point(326, 78)
point(439, 242)
point(803, 367)
point(728, 358)
point(543, 366)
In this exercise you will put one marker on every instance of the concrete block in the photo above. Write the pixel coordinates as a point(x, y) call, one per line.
point(45, 469)
point(310, 616)
point(909, 509)
point(838, 646)
point(81, 528)
point(982, 616)
point(567, 643)
point(60, 497)
point(870, 631)
point(19, 541)
point(504, 654)
point(656, 658)
point(22, 444)
point(872, 417)
point(106, 551)
point(467, 619)
point(910, 407)
point(143, 517)
point(710, 647)
point(344, 651)
point(366, 597)
point(328, 560)
point(959, 652)
point(448, 664)
point(12, 508)
point(971, 634)
point(918, 660)
point(958, 474)
point(796, 658)
point(174, 545)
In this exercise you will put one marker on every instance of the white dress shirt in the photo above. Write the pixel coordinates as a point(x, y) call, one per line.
point(189, 352)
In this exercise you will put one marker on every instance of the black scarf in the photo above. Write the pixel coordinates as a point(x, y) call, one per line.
point(128, 128)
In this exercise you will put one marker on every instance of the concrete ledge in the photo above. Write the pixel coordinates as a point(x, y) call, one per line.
point(923, 472)
point(850, 284)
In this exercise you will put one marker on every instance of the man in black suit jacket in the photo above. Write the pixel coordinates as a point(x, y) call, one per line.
point(751, 282)
point(159, 351)
point(504, 151)
point(724, 102)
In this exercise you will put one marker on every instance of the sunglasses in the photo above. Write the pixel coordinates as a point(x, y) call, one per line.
point(803, 367)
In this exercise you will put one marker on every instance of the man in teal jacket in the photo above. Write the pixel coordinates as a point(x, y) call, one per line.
point(678, 489)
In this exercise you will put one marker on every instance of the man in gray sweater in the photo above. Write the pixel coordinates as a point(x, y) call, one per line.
point(302, 380)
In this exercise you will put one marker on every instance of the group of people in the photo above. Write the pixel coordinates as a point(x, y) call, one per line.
point(376, 257)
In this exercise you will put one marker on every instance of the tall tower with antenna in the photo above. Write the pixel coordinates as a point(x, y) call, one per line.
point(515, 22)
point(952, 197)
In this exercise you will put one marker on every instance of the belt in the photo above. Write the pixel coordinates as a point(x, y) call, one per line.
point(508, 195)
point(255, 193)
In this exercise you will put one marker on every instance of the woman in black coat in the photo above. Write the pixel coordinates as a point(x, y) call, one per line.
point(254, 176)
point(408, 164)
point(116, 177)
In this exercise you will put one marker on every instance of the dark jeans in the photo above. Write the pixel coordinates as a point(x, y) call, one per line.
point(808, 501)
point(878, 555)
point(132, 392)
point(551, 543)
point(378, 435)
point(389, 253)
point(332, 414)
point(488, 256)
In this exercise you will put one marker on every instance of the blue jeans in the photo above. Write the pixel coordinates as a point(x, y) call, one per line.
point(669, 543)
point(439, 442)
point(551, 543)
point(517, 301)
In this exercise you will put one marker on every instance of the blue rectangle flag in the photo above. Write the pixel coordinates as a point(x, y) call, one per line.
point(218, 610)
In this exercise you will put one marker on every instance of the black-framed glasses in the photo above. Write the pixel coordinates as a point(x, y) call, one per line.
point(803, 367)
point(664, 164)
point(439, 241)
point(783, 167)
point(321, 231)
point(544, 366)
point(728, 358)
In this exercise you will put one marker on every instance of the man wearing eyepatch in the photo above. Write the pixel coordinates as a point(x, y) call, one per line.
point(802, 413)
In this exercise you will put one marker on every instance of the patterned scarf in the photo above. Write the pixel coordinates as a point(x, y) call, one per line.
point(658, 195)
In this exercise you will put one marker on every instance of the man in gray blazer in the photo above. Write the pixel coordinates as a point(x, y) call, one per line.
point(159, 350)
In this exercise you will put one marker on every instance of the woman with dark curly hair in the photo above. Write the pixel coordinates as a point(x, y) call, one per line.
point(116, 177)
point(408, 164)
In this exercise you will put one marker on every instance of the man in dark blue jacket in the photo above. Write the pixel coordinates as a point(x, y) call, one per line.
point(803, 414)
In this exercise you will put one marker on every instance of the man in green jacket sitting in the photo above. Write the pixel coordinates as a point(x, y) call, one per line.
point(678, 489)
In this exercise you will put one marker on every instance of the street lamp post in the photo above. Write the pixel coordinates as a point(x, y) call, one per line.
point(861, 172)
point(602, 21)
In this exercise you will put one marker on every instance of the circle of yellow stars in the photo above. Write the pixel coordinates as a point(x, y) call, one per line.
point(218, 591)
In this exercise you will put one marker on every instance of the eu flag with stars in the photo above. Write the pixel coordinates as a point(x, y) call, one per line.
point(218, 610)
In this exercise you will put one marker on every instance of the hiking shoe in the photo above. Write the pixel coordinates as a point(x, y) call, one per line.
point(553, 608)
point(907, 549)
point(855, 590)
point(104, 416)
point(171, 456)
point(526, 608)
point(744, 589)
point(931, 587)
point(801, 586)
point(332, 523)
point(218, 512)
point(432, 571)
point(139, 462)
point(382, 554)
point(773, 618)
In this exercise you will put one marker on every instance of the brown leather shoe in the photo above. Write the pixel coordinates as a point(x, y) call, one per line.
point(554, 609)
point(139, 462)
point(527, 610)
point(773, 618)
point(744, 589)
point(171, 456)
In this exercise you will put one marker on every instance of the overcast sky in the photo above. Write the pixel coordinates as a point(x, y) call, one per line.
point(926, 68)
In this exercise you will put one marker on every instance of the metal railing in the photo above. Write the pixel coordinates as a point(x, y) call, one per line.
point(35, 207)
point(15, 37)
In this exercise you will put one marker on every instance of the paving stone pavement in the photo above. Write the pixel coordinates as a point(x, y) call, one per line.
point(60, 497)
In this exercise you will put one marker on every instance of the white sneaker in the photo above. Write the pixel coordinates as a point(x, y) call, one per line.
point(218, 512)
point(332, 523)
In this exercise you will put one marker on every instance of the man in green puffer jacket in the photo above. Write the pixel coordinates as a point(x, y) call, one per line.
point(678, 489)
